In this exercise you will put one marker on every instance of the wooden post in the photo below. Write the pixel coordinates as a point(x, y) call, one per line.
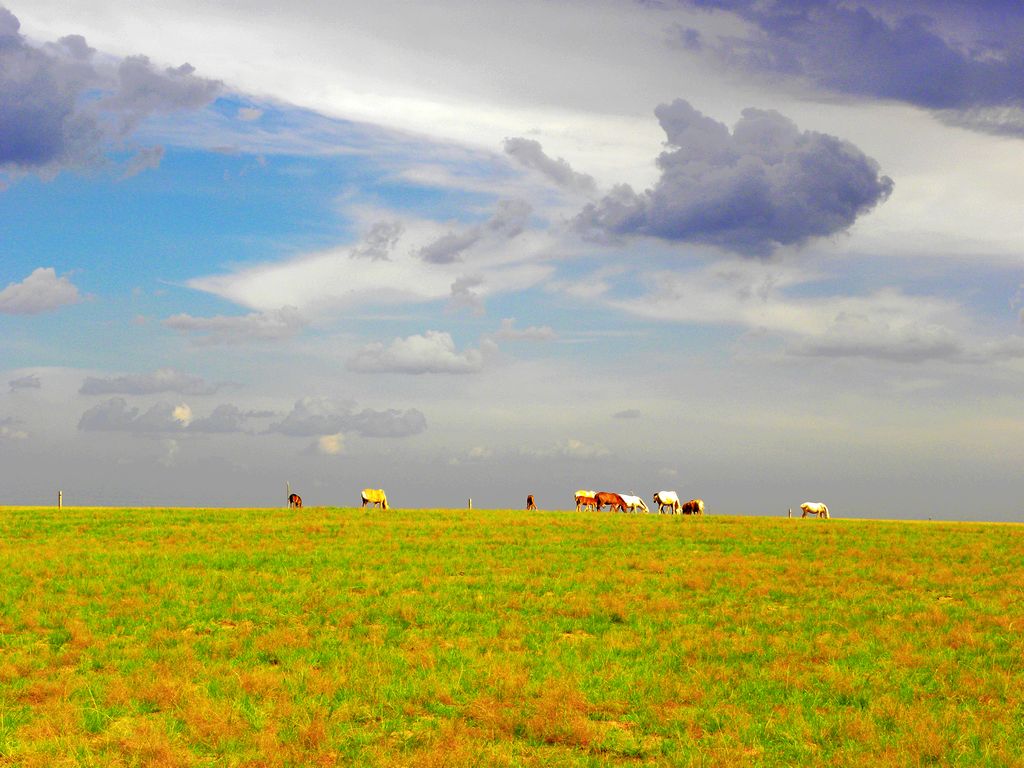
point(471, 503)
point(60, 499)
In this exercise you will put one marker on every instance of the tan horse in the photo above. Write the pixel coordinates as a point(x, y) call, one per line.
point(374, 496)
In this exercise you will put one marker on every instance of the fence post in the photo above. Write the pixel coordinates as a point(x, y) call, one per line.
point(60, 499)
point(471, 503)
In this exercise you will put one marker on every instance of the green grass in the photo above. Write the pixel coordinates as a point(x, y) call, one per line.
point(455, 637)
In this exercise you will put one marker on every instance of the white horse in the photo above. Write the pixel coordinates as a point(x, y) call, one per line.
point(668, 499)
point(633, 503)
point(814, 508)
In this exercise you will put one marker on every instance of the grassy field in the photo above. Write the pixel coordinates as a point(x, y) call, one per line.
point(164, 637)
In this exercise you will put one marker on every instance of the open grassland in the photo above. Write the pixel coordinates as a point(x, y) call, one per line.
point(449, 638)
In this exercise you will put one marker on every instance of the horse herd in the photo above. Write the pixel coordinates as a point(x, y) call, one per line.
point(371, 496)
point(596, 500)
point(625, 502)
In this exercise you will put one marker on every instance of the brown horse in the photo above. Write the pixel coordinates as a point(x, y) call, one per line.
point(693, 507)
point(613, 500)
point(530, 503)
point(295, 501)
point(585, 502)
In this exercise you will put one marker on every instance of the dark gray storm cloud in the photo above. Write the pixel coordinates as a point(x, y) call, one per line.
point(763, 185)
point(945, 56)
point(529, 153)
point(162, 380)
point(509, 221)
point(318, 416)
point(61, 107)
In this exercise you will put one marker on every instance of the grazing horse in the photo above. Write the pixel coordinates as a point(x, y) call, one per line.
point(814, 508)
point(693, 507)
point(294, 501)
point(668, 499)
point(634, 502)
point(530, 503)
point(613, 500)
point(374, 496)
point(585, 502)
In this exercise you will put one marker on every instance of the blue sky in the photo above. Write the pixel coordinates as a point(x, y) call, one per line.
point(760, 253)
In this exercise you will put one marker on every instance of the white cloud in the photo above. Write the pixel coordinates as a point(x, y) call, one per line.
point(328, 445)
point(570, 448)
point(475, 454)
point(170, 454)
point(182, 414)
point(8, 430)
point(42, 291)
point(28, 381)
point(759, 295)
point(765, 297)
point(508, 332)
point(331, 281)
point(272, 325)
point(249, 114)
point(160, 380)
point(431, 352)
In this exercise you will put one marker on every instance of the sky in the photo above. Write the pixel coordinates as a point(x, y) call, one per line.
point(758, 252)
